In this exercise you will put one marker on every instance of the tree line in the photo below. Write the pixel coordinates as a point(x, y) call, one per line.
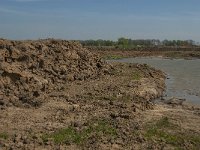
point(130, 43)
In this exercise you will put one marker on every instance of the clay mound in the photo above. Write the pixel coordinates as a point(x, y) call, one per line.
point(31, 69)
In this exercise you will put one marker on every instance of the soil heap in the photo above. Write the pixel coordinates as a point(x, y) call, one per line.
point(31, 69)
point(54, 94)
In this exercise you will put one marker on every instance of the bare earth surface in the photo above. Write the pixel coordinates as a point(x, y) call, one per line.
point(117, 53)
point(65, 97)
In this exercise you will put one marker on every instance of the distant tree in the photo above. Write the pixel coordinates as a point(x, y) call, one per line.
point(130, 43)
point(123, 41)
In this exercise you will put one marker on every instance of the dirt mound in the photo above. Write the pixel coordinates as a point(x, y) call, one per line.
point(31, 69)
point(98, 113)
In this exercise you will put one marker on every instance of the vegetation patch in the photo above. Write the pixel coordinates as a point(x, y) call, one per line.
point(136, 75)
point(174, 54)
point(104, 127)
point(71, 135)
point(3, 135)
point(165, 131)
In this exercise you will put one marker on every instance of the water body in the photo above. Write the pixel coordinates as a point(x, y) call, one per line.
point(183, 76)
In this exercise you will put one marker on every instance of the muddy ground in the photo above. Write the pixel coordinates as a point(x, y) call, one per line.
point(57, 95)
point(117, 53)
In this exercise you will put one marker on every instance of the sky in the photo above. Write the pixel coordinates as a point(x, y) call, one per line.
point(100, 19)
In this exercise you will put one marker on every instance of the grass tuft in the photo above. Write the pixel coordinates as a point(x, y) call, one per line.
point(3, 135)
point(71, 135)
point(136, 76)
point(165, 131)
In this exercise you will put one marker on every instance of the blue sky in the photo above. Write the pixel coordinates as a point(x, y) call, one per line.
point(100, 19)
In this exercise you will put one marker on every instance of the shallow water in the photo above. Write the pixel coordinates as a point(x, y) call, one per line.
point(183, 76)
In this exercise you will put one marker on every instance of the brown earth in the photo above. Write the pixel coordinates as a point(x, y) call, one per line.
point(57, 95)
point(168, 53)
point(31, 69)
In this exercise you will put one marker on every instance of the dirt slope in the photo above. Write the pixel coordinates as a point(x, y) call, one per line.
point(31, 69)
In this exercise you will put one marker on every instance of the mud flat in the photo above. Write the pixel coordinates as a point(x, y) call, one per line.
point(190, 53)
point(55, 94)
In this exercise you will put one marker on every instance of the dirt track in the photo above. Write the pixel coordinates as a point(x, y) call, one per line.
point(57, 95)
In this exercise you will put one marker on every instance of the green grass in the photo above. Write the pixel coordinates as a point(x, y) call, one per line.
point(164, 123)
point(164, 136)
point(71, 135)
point(63, 136)
point(165, 131)
point(174, 54)
point(136, 76)
point(3, 135)
point(104, 127)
